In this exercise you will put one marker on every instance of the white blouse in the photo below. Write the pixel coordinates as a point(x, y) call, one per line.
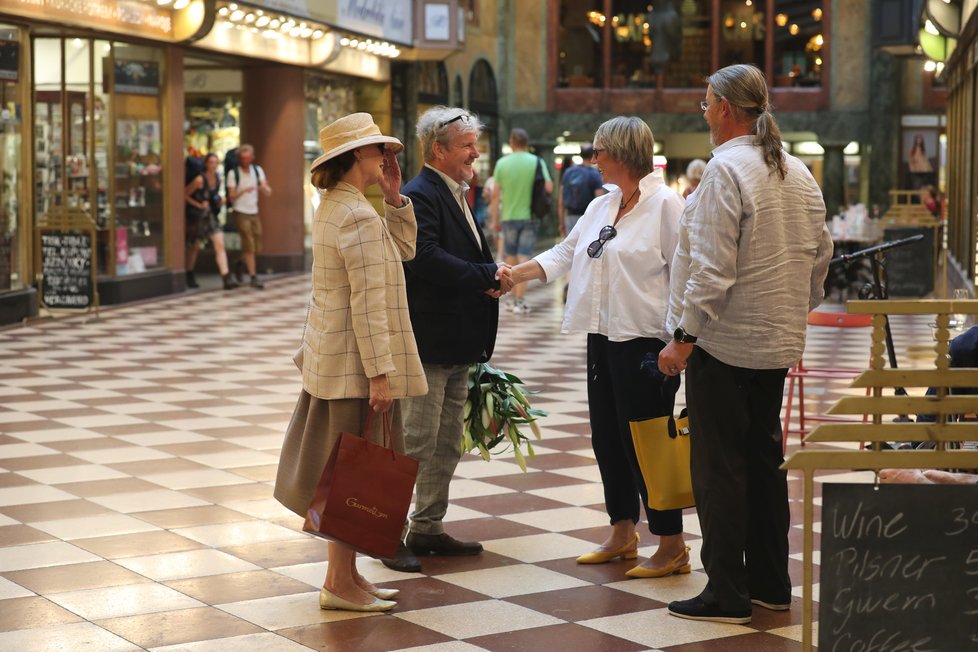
point(623, 294)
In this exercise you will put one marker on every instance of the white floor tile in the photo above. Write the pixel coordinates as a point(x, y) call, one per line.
point(66, 474)
point(234, 459)
point(65, 638)
point(57, 434)
point(164, 437)
point(42, 555)
point(9, 589)
point(97, 525)
point(539, 547)
point(181, 565)
point(561, 519)
point(10, 451)
point(502, 582)
point(145, 501)
point(121, 455)
point(493, 617)
point(127, 600)
point(266, 642)
point(658, 629)
point(284, 611)
point(32, 494)
point(239, 533)
point(194, 479)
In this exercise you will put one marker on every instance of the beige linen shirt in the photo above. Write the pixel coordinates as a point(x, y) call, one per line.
point(358, 325)
point(752, 257)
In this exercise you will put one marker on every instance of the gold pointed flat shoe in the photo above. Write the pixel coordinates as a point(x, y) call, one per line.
point(329, 600)
point(628, 551)
point(385, 594)
point(674, 567)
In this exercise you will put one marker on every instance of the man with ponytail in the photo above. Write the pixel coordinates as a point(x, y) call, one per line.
point(752, 257)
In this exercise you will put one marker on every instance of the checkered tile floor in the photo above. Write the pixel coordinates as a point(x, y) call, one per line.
point(137, 454)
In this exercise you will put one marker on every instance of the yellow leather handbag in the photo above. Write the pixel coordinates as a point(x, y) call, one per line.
point(662, 449)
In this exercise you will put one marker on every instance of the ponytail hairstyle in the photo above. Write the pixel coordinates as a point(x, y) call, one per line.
point(745, 88)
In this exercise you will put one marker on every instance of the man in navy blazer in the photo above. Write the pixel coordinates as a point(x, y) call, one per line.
point(453, 287)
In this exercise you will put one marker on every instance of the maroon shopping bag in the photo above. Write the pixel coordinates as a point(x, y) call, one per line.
point(364, 494)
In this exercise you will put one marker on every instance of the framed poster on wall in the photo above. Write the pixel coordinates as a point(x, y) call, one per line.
point(137, 77)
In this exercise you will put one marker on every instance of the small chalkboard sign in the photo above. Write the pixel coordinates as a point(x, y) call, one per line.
point(899, 568)
point(910, 269)
point(66, 269)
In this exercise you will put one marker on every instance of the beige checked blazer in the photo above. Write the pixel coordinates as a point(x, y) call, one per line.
point(358, 325)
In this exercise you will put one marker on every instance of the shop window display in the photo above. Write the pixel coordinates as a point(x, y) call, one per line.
point(327, 99)
point(669, 43)
point(10, 166)
point(138, 183)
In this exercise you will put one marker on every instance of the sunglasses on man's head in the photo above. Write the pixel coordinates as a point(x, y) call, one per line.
point(464, 117)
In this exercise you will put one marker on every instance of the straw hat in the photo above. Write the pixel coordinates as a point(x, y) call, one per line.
point(350, 132)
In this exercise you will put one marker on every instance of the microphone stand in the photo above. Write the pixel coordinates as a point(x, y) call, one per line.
point(878, 291)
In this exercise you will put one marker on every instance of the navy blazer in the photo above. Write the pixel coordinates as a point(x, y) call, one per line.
point(454, 319)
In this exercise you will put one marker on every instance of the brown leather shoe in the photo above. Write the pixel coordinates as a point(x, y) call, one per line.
point(404, 561)
point(441, 544)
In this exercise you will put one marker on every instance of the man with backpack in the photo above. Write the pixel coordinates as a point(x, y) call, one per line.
point(579, 185)
point(244, 182)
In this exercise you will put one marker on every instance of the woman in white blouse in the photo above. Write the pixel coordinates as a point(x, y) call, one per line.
point(618, 256)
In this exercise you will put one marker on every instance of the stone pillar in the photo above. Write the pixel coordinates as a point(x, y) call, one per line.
point(833, 178)
point(173, 178)
point(274, 122)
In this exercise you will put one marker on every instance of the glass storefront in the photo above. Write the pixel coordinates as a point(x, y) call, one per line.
point(668, 43)
point(328, 98)
point(11, 171)
point(98, 144)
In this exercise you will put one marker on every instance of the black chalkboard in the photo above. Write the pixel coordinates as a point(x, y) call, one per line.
point(66, 269)
point(899, 568)
point(910, 269)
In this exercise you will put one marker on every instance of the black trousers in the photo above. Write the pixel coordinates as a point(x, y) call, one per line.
point(741, 493)
point(620, 389)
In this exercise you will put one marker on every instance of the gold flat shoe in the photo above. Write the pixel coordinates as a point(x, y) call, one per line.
point(385, 594)
point(628, 551)
point(674, 567)
point(329, 600)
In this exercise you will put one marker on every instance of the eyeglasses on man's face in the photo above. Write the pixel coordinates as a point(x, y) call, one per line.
point(596, 248)
point(464, 117)
point(705, 104)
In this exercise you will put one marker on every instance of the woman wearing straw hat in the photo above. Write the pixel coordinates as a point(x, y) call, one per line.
point(358, 348)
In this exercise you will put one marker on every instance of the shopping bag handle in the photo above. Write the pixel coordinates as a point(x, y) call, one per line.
point(388, 434)
point(673, 430)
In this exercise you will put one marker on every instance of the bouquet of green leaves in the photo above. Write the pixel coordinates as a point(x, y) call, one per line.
point(495, 408)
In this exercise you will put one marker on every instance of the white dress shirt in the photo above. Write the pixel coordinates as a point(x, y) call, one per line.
point(624, 293)
point(458, 191)
point(752, 258)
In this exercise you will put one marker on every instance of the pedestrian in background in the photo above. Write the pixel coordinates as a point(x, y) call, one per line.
point(578, 186)
point(694, 173)
point(453, 287)
point(358, 349)
point(619, 257)
point(512, 199)
point(245, 181)
point(203, 198)
point(753, 253)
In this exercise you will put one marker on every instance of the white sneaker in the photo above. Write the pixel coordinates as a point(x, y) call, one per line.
point(520, 308)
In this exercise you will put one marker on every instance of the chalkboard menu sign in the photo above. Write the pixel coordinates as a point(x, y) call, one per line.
point(899, 568)
point(910, 269)
point(66, 268)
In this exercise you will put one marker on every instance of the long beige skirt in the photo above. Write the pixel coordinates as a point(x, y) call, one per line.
point(313, 433)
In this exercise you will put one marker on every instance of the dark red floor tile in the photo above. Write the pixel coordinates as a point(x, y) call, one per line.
point(428, 592)
point(759, 642)
point(372, 634)
point(585, 603)
point(555, 637)
point(528, 481)
point(434, 566)
point(487, 529)
point(508, 503)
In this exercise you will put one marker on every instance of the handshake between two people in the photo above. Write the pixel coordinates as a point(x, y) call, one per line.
point(504, 274)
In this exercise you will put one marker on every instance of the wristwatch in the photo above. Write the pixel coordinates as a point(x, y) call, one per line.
point(683, 337)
